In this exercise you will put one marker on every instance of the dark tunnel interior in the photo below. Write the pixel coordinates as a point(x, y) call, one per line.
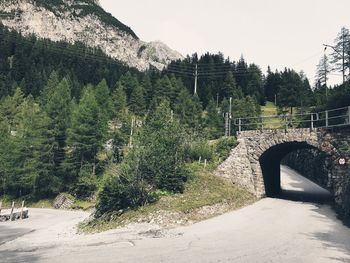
point(270, 162)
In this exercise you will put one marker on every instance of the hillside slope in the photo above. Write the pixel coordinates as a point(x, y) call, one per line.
point(84, 21)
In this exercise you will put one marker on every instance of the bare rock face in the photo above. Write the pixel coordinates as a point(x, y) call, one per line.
point(84, 21)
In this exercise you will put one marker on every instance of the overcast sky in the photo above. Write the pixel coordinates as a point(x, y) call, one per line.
point(278, 33)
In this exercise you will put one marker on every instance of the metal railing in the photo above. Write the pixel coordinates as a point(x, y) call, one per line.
point(324, 119)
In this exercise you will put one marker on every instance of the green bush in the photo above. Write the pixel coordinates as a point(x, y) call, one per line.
point(126, 190)
point(200, 149)
point(85, 187)
point(224, 146)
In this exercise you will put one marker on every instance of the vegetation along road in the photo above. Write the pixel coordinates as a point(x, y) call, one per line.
point(271, 230)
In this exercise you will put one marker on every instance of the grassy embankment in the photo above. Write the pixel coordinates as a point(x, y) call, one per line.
point(271, 110)
point(205, 196)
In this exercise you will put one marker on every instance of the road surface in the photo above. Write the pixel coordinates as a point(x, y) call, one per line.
point(271, 230)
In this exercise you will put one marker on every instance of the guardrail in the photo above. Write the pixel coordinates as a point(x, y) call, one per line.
point(324, 119)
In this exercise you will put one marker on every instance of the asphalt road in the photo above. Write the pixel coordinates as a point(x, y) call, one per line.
point(271, 230)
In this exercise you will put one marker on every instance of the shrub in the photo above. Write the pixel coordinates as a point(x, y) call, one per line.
point(86, 185)
point(224, 146)
point(200, 149)
point(123, 191)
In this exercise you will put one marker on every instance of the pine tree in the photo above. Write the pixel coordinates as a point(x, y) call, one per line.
point(323, 70)
point(58, 109)
point(229, 86)
point(214, 121)
point(50, 87)
point(341, 52)
point(163, 88)
point(137, 102)
point(33, 153)
point(119, 99)
point(189, 109)
point(162, 157)
point(86, 133)
point(242, 75)
point(9, 108)
point(148, 89)
point(104, 100)
point(129, 82)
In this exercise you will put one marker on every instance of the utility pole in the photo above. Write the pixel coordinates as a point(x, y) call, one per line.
point(230, 117)
point(226, 116)
point(195, 79)
point(343, 55)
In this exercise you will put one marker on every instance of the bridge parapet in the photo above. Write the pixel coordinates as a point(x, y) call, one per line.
point(324, 119)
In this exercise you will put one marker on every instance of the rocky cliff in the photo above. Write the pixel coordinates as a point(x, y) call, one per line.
point(84, 21)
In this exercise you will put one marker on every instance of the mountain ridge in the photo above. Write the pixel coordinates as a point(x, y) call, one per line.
point(85, 21)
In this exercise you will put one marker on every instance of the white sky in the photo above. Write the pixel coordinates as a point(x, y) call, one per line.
point(278, 33)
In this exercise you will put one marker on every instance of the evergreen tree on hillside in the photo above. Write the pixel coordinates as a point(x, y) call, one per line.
point(163, 88)
point(9, 109)
point(290, 91)
point(162, 157)
point(189, 110)
point(58, 108)
point(242, 75)
point(229, 88)
point(214, 121)
point(5, 86)
point(322, 71)
point(86, 133)
point(137, 102)
point(33, 154)
point(129, 82)
point(119, 99)
point(272, 85)
point(104, 100)
point(148, 89)
point(50, 87)
point(342, 46)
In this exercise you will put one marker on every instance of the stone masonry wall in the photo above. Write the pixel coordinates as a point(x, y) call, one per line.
point(237, 167)
point(325, 170)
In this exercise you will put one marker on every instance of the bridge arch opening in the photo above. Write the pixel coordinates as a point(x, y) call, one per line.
point(270, 163)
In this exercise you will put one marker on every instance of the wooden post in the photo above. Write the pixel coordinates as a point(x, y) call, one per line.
point(239, 125)
point(13, 206)
point(285, 122)
point(0, 206)
point(22, 209)
point(205, 163)
point(200, 159)
point(312, 121)
point(326, 118)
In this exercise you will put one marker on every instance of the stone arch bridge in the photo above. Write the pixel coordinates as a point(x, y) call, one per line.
point(255, 162)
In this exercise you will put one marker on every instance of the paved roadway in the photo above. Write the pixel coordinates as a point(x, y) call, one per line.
point(271, 230)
